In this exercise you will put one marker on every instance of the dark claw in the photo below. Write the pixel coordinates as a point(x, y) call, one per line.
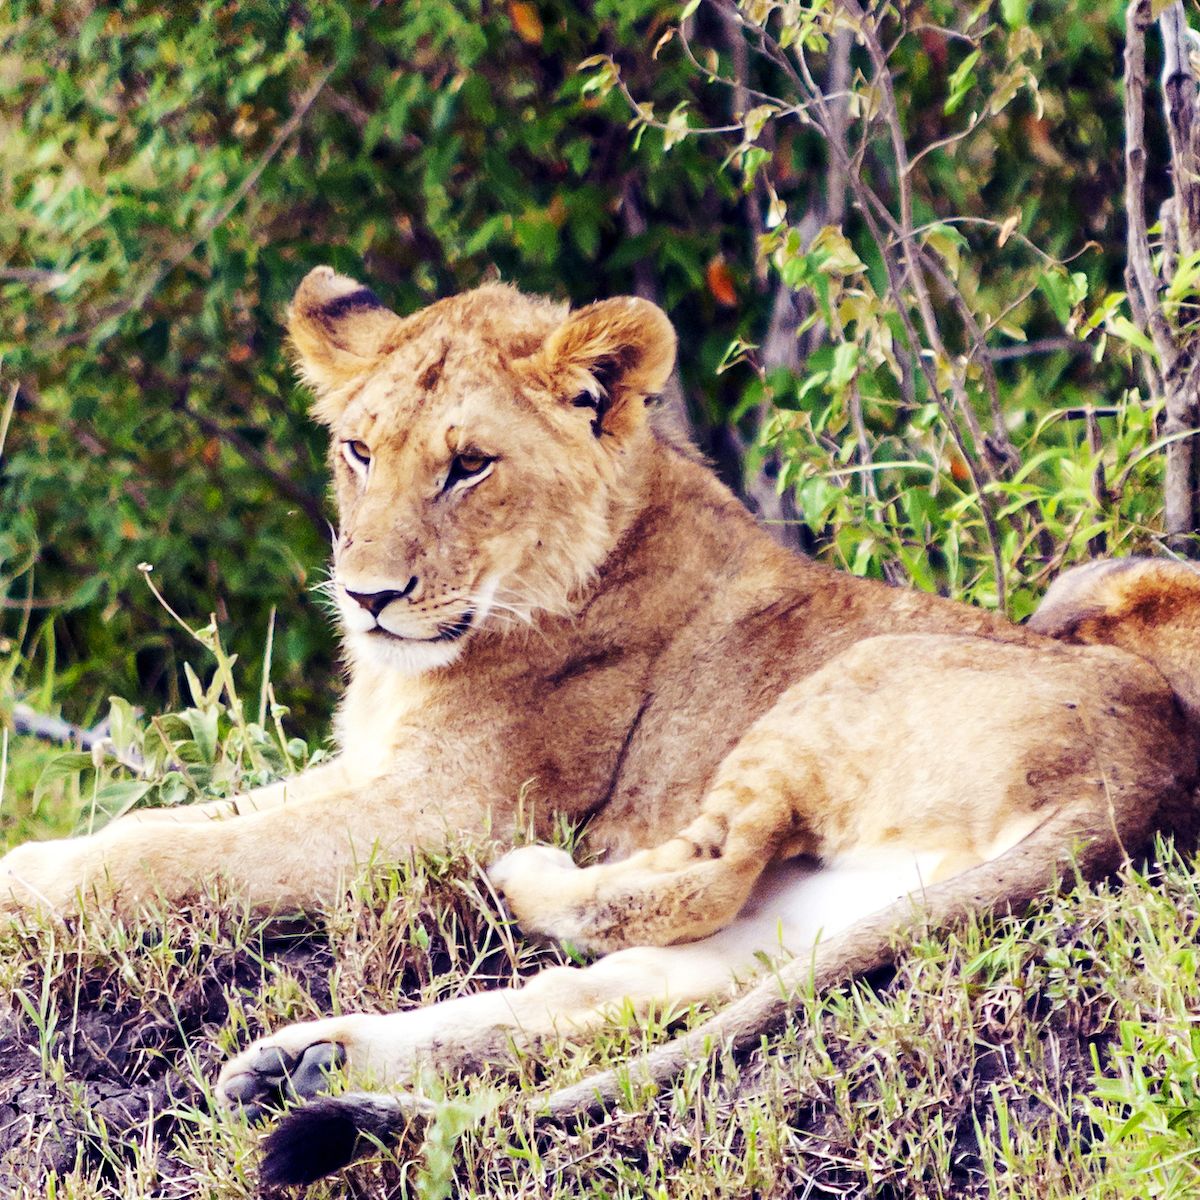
point(317, 1063)
point(275, 1076)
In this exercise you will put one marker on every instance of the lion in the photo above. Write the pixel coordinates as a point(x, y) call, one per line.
point(552, 611)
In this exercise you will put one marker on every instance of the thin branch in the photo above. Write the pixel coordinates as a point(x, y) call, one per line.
point(1179, 102)
point(1181, 487)
point(30, 722)
point(1099, 543)
point(1047, 345)
point(1142, 283)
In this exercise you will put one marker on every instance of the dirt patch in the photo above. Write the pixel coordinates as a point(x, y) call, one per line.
point(118, 1042)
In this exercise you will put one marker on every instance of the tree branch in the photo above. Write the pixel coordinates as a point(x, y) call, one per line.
point(30, 722)
point(1141, 281)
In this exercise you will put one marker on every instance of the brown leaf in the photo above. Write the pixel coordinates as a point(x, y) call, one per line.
point(720, 282)
point(526, 23)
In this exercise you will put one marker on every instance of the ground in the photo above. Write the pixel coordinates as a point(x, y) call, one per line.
point(1050, 1056)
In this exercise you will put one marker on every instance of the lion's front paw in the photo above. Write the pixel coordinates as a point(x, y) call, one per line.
point(295, 1063)
point(43, 876)
point(545, 891)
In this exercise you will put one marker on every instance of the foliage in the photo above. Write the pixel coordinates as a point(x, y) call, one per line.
point(169, 173)
point(157, 419)
point(914, 450)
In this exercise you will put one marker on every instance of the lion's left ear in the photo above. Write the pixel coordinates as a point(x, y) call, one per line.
point(609, 357)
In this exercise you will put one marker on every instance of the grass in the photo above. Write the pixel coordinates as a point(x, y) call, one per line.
point(1055, 1056)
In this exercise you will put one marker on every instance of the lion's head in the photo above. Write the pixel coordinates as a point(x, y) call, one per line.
point(480, 452)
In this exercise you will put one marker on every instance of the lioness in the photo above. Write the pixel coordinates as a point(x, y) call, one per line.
point(550, 610)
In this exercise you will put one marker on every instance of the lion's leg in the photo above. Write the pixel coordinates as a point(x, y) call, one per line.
point(682, 890)
point(467, 1033)
point(765, 803)
point(955, 748)
point(791, 908)
point(284, 856)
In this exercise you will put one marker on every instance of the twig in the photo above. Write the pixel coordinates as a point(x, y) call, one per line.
point(1174, 376)
point(1142, 284)
point(1181, 487)
point(54, 729)
point(1047, 345)
point(6, 413)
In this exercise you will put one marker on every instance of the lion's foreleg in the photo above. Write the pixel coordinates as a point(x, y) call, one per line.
point(483, 1031)
point(283, 856)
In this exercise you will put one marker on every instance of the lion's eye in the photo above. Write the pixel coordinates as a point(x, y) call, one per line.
point(467, 468)
point(357, 454)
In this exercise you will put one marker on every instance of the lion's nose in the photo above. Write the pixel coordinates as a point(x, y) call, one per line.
point(376, 602)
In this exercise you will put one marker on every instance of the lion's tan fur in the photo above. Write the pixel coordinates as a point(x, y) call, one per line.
point(590, 625)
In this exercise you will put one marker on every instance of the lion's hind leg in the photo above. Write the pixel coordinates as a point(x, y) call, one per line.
point(949, 746)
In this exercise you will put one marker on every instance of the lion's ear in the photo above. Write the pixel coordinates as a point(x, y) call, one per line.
point(609, 357)
point(339, 329)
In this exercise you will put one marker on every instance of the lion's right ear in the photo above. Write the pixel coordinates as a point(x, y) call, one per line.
point(609, 357)
point(339, 329)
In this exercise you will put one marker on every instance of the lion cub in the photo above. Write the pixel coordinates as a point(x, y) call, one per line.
point(544, 598)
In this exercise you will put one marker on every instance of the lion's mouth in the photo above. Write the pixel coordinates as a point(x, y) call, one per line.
point(450, 632)
point(455, 630)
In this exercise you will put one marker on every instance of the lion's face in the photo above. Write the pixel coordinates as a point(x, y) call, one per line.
point(479, 450)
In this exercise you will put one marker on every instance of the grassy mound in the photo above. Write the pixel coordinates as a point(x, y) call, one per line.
point(1053, 1056)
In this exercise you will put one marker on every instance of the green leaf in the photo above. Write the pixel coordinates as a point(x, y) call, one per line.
point(949, 244)
point(960, 82)
point(845, 362)
point(61, 768)
point(1122, 327)
point(117, 798)
point(1015, 13)
point(203, 726)
point(1054, 286)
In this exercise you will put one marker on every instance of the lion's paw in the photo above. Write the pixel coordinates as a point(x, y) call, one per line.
point(295, 1063)
point(543, 889)
point(43, 876)
point(529, 863)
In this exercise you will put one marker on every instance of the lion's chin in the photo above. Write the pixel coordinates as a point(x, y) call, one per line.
point(406, 655)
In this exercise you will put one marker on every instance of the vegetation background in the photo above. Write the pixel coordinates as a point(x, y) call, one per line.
point(920, 364)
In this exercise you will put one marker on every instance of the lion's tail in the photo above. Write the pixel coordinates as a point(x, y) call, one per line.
point(1148, 606)
point(330, 1132)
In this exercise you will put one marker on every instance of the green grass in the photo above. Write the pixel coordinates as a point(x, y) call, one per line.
point(1051, 1056)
